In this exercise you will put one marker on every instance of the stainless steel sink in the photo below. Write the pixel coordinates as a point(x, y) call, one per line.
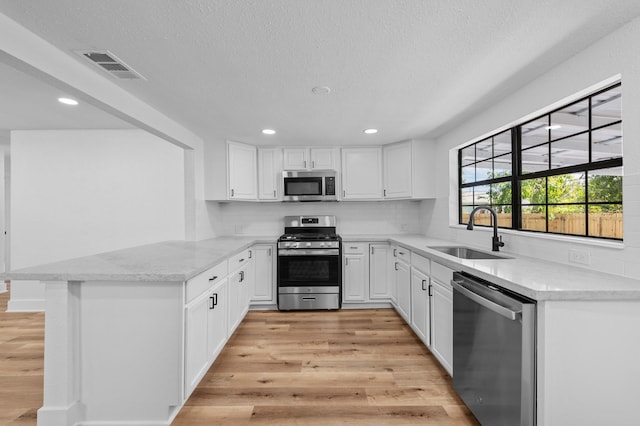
point(466, 252)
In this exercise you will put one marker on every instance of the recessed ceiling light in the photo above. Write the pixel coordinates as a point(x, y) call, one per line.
point(553, 127)
point(370, 131)
point(67, 101)
point(268, 131)
point(321, 90)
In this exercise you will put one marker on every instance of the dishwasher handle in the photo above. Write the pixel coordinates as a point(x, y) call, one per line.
point(489, 304)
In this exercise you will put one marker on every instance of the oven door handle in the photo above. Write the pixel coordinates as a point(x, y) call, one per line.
point(305, 252)
point(498, 309)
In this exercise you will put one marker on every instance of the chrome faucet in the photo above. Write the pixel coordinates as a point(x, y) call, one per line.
point(496, 242)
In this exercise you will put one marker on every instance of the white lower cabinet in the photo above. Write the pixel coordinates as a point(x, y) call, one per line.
point(380, 278)
point(263, 282)
point(420, 318)
point(205, 323)
point(442, 315)
point(239, 283)
point(403, 289)
point(356, 272)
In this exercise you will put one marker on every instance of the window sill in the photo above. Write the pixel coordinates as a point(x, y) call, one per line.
point(619, 245)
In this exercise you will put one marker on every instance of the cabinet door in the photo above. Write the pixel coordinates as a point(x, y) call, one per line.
point(397, 170)
point(323, 159)
point(236, 303)
point(361, 173)
point(442, 324)
point(403, 283)
point(217, 319)
point(269, 173)
point(296, 158)
point(196, 355)
point(263, 290)
point(356, 277)
point(242, 168)
point(420, 304)
point(380, 278)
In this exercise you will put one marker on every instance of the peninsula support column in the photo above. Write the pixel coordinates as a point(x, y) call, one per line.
point(61, 355)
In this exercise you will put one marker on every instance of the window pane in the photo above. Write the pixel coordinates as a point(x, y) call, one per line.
point(501, 193)
point(568, 219)
point(534, 218)
point(484, 170)
point(466, 195)
point(482, 217)
point(605, 107)
point(605, 221)
point(567, 188)
point(605, 186)
point(502, 166)
point(469, 174)
point(535, 159)
point(535, 132)
point(502, 143)
point(533, 191)
point(570, 120)
point(484, 150)
point(481, 195)
point(570, 151)
point(468, 155)
point(606, 142)
point(504, 215)
point(466, 212)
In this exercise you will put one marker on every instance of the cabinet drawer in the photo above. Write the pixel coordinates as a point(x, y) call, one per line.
point(403, 254)
point(421, 263)
point(201, 282)
point(441, 273)
point(238, 260)
point(355, 248)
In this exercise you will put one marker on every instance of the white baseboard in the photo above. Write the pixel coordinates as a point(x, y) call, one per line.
point(25, 305)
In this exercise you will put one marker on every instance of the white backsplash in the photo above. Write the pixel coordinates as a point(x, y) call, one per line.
point(387, 217)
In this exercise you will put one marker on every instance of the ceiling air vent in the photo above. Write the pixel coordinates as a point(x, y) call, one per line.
point(112, 64)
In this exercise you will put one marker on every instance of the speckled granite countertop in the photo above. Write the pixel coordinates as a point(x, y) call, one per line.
point(182, 260)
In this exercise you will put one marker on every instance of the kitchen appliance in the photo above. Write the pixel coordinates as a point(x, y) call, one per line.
point(309, 186)
point(309, 264)
point(494, 352)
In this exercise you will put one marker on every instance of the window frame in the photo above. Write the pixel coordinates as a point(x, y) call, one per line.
point(517, 176)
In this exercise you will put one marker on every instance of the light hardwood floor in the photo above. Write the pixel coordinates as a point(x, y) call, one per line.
point(361, 367)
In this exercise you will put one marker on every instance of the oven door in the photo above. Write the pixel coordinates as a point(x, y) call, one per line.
point(315, 271)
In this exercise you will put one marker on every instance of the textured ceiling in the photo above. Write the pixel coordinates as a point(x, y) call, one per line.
point(226, 69)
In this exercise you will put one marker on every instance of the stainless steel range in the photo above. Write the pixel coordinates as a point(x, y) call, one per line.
point(309, 264)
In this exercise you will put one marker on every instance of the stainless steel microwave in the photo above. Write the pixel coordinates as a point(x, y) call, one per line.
point(309, 186)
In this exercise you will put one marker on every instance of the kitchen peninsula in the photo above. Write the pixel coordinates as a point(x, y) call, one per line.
point(119, 328)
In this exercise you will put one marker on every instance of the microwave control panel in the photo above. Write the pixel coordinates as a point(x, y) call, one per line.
point(330, 186)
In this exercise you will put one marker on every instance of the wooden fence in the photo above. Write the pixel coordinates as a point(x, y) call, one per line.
point(607, 225)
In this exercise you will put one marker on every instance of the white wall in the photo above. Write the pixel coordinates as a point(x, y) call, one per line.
point(80, 192)
point(386, 217)
point(614, 54)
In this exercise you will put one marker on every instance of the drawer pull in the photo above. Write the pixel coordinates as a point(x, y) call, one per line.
point(213, 278)
point(401, 253)
point(308, 298)
point(353, 248)
point(241, 260)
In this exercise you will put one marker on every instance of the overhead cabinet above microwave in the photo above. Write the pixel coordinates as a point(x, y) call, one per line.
point(310, 158)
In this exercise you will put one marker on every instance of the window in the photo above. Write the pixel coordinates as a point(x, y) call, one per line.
point(560, 173)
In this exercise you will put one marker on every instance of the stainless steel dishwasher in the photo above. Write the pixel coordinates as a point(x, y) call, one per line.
point(494, 352)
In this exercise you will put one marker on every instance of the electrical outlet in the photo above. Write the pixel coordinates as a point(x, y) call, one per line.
point(579, 256)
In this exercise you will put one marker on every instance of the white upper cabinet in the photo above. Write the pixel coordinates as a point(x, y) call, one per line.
point(242, 170)
point(269, 173)
point(397, 170)
point(310, 158)
point(409, 170)
point(362, 173)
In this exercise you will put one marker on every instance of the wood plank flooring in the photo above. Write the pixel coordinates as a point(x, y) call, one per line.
point(355, 367)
